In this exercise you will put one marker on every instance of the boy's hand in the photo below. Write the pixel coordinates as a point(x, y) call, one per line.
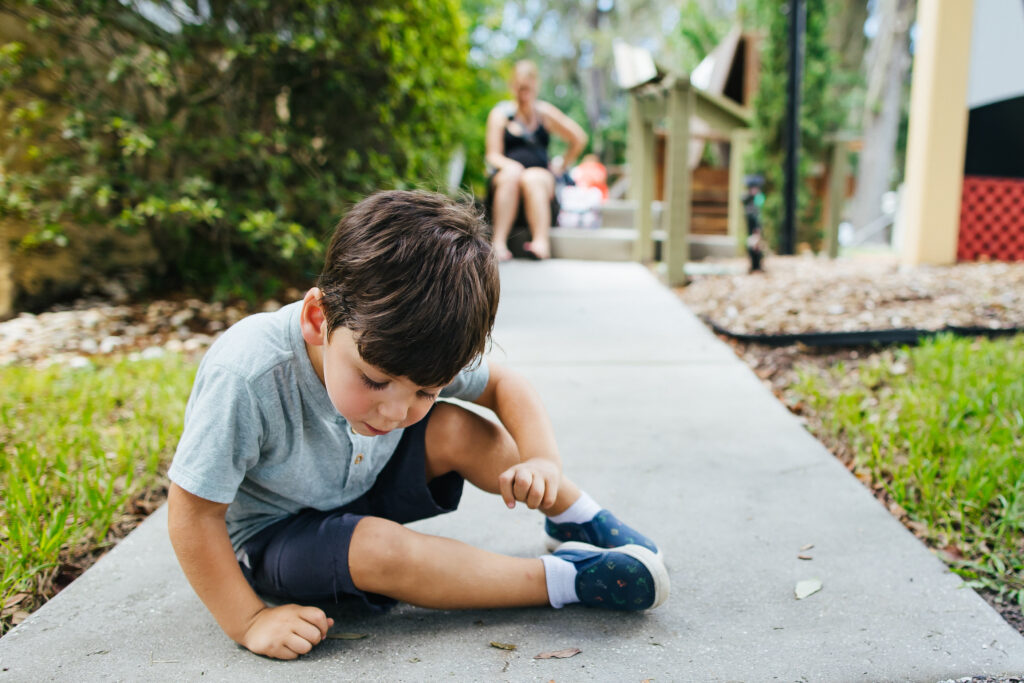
point(534, 482)
point(287, 631)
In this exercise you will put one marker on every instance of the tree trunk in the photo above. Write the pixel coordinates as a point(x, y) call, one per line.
point(888, 65)
point(593, 79)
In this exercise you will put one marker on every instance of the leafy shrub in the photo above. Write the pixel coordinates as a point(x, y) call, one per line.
point(232, 133)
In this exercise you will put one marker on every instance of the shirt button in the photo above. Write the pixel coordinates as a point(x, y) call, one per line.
point(359, 458)
point(353, 430)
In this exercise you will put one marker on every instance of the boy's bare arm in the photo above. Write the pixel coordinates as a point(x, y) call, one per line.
point(536, 479)
point(200, 539)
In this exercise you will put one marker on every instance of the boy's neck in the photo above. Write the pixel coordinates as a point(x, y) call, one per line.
point(316, 358)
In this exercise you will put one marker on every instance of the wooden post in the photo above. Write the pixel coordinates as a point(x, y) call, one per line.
point(643, 247)
point(740, 143)
point(641, 168)
point(633, 151)
point(676, 249)
point(838, 173)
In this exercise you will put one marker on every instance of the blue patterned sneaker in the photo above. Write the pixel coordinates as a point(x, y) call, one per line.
point(604, 530)
point(629, 577)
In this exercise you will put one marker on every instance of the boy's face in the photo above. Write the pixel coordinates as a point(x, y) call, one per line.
point(373, 402)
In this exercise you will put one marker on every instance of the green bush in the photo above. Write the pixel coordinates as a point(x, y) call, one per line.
point(234, 139)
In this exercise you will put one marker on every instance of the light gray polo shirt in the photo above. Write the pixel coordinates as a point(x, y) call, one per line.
point(262, 434)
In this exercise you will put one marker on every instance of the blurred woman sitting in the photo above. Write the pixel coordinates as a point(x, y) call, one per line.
point(518, 133)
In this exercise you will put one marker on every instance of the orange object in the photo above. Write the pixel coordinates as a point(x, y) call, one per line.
point(591, 173)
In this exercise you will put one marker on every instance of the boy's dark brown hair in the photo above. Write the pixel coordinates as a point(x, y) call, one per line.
point(411, 273)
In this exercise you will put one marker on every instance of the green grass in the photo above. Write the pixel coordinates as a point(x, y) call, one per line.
point(77, 445)
point(941, 426)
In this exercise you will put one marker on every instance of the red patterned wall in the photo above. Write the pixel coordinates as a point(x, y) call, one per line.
point(992, 219)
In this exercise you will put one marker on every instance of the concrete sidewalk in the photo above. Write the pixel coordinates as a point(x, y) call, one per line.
point(659, 421)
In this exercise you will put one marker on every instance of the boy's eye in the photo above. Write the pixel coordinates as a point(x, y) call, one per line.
point(426, 395)
point(370, 384)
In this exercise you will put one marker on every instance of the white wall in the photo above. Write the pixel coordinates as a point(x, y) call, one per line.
point(997, 52)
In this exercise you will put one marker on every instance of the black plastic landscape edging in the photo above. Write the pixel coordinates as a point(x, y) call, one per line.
point(861, 338)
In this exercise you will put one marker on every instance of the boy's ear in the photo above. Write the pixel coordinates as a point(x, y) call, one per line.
point(312, 318)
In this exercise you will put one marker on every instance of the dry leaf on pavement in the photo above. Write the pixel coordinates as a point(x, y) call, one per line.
point(559, 654)
point(502, 646)
point(806, 588)
point(347, 636)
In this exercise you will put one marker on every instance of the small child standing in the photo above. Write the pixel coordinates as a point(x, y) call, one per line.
point(314, 433)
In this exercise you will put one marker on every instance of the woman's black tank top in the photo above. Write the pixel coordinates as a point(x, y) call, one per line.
point(530, 148)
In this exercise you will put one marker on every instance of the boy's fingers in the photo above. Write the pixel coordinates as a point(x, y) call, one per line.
point(309, 631)
point(505, 488)
point(524, 480)
point(283, 652)
point(318, 619)
point(297, 644)
point(536, 494)
point(550, 496)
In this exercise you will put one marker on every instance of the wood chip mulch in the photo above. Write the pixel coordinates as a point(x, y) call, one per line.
point(808, 294)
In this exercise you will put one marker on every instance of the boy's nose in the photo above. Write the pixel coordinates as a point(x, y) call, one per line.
point(394, 411)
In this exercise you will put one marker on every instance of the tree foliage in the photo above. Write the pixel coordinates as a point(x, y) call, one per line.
point(233, 133)
point(819, 113)
point(571, 42)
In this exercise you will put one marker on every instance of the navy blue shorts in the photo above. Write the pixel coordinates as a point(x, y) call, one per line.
point(304, 557)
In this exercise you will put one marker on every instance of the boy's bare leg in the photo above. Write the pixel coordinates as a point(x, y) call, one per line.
point(430, 571)
point(479, 450)
point(441, 573)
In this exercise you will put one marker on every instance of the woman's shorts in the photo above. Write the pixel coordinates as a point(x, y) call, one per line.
point(304, 557)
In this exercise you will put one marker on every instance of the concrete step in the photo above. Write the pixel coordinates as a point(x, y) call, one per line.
point(616, 244)
point(621, 213)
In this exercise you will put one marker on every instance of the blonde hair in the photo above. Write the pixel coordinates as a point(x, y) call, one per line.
point(525, 67)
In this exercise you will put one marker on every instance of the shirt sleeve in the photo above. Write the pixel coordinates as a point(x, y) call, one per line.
point(470, 383)
point(222, 436)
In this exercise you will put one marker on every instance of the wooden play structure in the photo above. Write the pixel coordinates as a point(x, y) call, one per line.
point(671, 121)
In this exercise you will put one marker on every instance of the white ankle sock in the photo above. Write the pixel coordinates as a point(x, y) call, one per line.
point(580, 512)
point(560, 576)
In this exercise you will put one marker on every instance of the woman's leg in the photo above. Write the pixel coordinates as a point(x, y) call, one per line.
point(505, 203)
point(538, 187)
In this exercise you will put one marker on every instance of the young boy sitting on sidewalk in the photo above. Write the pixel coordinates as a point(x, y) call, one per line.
point(313, 433)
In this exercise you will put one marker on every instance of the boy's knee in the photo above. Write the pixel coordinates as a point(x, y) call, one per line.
point(378, 546)
point(454, 432)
